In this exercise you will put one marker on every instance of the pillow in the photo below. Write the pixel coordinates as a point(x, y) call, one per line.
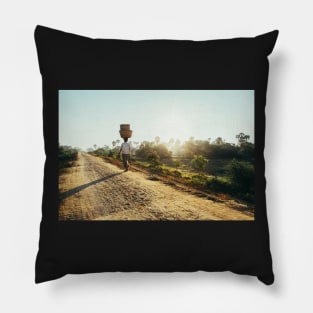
point(188, 191)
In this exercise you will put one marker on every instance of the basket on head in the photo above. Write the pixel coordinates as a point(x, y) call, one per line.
point(125, 131)
point(124, 127)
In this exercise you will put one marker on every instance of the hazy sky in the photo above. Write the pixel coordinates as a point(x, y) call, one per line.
point(88, 117)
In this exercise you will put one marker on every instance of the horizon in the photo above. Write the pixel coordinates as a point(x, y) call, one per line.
point(89, 117)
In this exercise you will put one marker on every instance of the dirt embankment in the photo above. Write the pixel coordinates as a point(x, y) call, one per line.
point(96, 190)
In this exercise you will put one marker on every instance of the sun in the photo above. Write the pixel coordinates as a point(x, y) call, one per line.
point(173, 124)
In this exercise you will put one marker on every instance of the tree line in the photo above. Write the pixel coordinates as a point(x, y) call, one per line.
point(157, 150)
point(215, 165)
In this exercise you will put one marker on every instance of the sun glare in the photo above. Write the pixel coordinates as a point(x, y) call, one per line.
point(173, 125)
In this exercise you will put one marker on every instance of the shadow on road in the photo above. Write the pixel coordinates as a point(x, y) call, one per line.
point(71, 192)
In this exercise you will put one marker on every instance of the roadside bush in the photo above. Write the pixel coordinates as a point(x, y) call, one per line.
point(199, 162)
point(66, 156)
point(218, 185)
point(156, 168)
point(198, 180)
point(112, 154)
point(241, 175)
point(101, 152)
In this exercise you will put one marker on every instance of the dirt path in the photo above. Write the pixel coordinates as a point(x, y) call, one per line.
point(96, 190)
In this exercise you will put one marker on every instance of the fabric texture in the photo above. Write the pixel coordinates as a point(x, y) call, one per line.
point(72, 62)
point(125, 148)
point(125, 158)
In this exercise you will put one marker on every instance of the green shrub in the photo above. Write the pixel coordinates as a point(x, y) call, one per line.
point(156, 168)
point(101, 152)
point(112, 154)
point(198, 180)
point(241, 175)
point(66, 156)
point(199, 162)
point(218, 185)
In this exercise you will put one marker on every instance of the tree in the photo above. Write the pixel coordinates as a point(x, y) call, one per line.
point(153, 158)
point(241, 175)
point(113, 143)
point(219, 141)
point(242, 138)
point(246, 151)
point(144, 149)
point(95, 146)
point(189, 148)
point(162, 151)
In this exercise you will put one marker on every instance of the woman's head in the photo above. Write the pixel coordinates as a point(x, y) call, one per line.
point(125, 139)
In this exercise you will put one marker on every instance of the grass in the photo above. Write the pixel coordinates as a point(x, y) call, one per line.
point(220, 184)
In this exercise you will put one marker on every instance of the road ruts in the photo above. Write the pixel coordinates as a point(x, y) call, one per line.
point(93, 189)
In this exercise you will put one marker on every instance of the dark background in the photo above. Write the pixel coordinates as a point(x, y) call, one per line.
point(73, 62)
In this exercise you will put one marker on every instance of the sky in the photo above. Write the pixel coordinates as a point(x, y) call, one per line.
point(88, 117)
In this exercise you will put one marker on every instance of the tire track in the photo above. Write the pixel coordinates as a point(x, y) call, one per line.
point(95, 190)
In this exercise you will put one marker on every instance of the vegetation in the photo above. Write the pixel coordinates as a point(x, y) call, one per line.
point(212, 165)
point(199, 162)
point(241, 176)
point(146, 149)
point(67, 155)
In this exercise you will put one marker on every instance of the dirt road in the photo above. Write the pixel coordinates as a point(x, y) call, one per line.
point(96, 190)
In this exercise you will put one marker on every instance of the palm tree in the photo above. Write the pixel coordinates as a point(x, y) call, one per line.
point(242, 138)
point(247, 137)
